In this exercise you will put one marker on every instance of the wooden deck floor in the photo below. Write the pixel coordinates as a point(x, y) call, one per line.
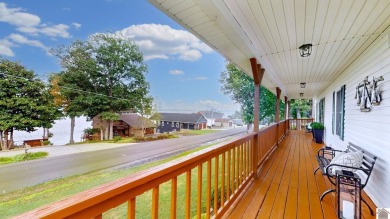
point(286, 186)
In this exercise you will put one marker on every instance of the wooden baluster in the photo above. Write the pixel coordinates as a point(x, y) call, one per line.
point(241, 162)
point(246, 158)
point(131, 209)
point(155, 197)
point(173, 197)
point(223, 175)
point(216, 185)
point(229, 163)
point(208, 193)
point(199, 209)
point(188, 194)
point(234, 170)
point(237, 166)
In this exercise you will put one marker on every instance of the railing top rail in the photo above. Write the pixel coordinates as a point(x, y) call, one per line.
point(86, 199)
point(303, 119)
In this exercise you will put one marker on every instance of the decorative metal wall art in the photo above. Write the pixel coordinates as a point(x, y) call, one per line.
point(368, 94)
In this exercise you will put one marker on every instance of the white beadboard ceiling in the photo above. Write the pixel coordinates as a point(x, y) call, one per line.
point(272, 30)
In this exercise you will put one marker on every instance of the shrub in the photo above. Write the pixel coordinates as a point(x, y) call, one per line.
point(47, 142)
point(317, 126)
point(91, 131)
point(138, 138)
point(117, 138)
point(126, 140)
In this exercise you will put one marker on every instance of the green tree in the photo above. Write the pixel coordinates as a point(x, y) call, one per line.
point(25, 102)
point(236, 115)
point(240, 87)
point(65, 95)
point(299, 107)
point(110, 71)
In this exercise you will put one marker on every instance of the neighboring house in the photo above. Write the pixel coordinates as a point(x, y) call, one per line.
point(128, 125)
point(170, 122)
point(211, 116)
point(223, 122)
point(238, 122)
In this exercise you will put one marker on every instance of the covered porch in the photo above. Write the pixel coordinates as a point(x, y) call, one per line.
point(268, 174)
point(286, 186)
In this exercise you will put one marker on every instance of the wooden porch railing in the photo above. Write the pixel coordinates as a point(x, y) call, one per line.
point(218, 170)
point(299, 124)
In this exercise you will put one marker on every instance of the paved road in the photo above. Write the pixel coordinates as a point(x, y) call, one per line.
point(20, 175)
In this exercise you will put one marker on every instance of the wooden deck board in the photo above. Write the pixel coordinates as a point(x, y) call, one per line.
point(286, 186)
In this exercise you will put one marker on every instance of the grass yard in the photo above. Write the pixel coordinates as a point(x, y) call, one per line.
point(197, 132)
point(23, 157)
point(33, 197)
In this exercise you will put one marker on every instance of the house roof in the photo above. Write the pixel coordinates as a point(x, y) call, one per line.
point(223, 120)
point(272, 32)
point(211, 114)
point(135, 120)
point(181, 117)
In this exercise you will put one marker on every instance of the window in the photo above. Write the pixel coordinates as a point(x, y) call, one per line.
point(333, 111)
point(321, 107)
point(173, 124)
point(177, 125)
point(162, 123)
point(340, 111)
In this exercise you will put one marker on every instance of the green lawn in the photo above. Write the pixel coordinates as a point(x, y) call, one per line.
point(33, 197)
point(23, 157)
point(197, 132)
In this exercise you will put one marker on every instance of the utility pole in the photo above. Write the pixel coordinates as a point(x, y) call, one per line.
point(212, 117)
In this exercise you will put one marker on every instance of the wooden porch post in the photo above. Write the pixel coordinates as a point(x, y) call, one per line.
point(277, 108)
point(289, 111)
point(258, 73)
point(285, 108)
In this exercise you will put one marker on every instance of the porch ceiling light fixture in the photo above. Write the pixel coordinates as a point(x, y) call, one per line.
point(301, 94)
point(303, 85)
point(305, 50)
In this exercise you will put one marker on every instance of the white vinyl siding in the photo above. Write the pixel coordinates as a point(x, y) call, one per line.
point(370, 130)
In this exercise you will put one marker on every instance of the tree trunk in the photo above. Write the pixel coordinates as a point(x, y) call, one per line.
point(1, 141)
point(11, 143)
point(111, 124)
point(44, 133)
point(72, 124)
point(298, 113)
point(101, 134)
point(106, 130)
point(6, 139)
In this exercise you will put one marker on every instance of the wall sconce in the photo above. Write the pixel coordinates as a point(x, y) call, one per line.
point(303, 85)
point(305, 50)
point(301, 94)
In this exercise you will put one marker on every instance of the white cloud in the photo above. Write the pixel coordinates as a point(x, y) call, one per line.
point(176, 72)
point(76, 25)
point(19, 39)
point(5, 48)
point(16, 17)
point(190, 55)
point(158, 41)
point(31, 23)
point(59, 30)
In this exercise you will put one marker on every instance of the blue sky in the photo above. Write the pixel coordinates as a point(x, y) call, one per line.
point(183, 72)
